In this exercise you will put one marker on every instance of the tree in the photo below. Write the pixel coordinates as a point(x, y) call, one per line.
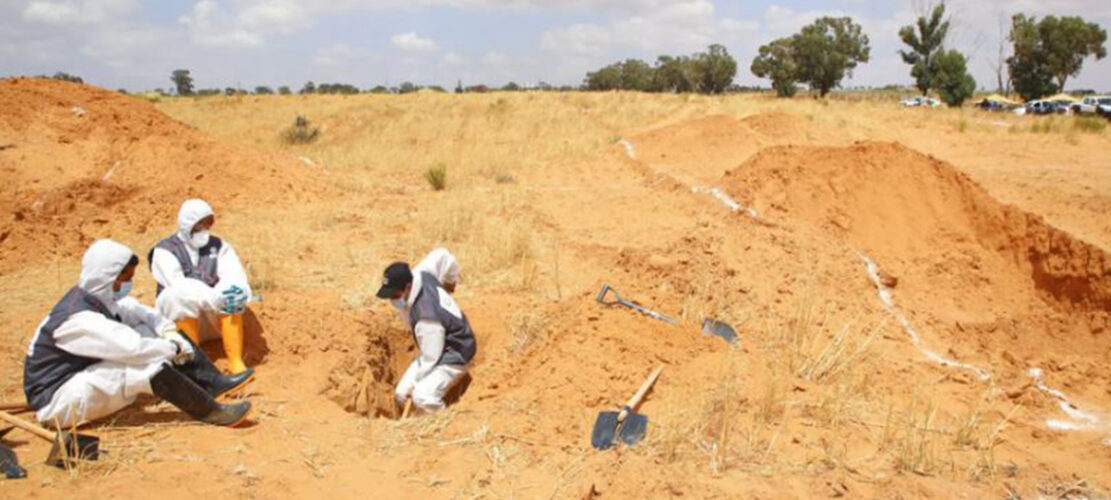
point(182, 81)
point(776, 61)
point(379, 89)
point(827, 51)
point(459, 87)
point(230, 91)
point(716, 69)
point(511, 86)
point(950, 77)
point(263, 90)
point(284, 90)
point(407, 87)
point(309, 88)
point(66, 77)
point(675, 74)
point(925, 44)
point(607, 78)
point(635, 75)
point(1048, 52)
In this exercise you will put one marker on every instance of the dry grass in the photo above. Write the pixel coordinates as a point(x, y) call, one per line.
point(436, 176)
point(527, 328)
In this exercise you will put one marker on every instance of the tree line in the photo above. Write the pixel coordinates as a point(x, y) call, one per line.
point(709, 72)
point(1045, 54)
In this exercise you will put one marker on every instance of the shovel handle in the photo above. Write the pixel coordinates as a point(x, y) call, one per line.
point(13, 406)
point(635, 400)
point(27, 426)
point(408, 408)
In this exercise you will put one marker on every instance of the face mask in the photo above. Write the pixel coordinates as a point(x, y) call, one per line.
point(124, 290)
point(200, 238)
point(399, 304)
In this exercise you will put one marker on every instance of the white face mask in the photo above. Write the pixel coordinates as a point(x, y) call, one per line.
point(200, 238)
point(399, 304)
point(124, 290)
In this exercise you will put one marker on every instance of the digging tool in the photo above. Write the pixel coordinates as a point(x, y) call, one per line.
point(618, 300)
point(408, 408)
point(626, 425)
point(9, 464)
point(14, 407)
point(69, 447)
point(718, 328)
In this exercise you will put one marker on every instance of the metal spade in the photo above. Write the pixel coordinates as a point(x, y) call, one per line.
point(618, 300)
point(68, 447)
point(719, 328)
point(626, 425)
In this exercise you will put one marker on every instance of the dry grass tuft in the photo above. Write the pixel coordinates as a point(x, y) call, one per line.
point(301, 132)
point(436, 176)
point(527, 328)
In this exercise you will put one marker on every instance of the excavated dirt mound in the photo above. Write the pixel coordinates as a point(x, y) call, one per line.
point(705, 147)
point(984, 267)
point(80, 162)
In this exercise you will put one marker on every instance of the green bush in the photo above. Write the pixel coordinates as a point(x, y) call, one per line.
point(437, 177)
point(302, 132)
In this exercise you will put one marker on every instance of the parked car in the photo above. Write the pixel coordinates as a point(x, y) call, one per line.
point(1044, 108)
point(914, 102)
point(1094, 105)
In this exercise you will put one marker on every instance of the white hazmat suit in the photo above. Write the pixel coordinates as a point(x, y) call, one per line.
point(130, 351)
point(183, 297)
point(424, 380)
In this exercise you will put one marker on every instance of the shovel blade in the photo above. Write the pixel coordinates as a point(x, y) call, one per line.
point(69, 448)
point(605, 430)
point(633, 429)
point(719, 329)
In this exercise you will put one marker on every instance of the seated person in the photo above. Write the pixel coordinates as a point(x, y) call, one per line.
point(99, 349)
point(201, 283)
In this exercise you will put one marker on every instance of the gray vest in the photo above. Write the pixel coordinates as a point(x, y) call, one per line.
point(459, 341)
point(48, 366)
point(205, 270)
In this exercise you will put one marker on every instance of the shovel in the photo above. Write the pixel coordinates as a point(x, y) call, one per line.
point(69, 447)
point(718, 328)
point(627, 425)
point(606, 290)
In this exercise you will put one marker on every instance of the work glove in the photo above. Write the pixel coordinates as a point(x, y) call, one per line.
point(234, 300)
point(185, 350)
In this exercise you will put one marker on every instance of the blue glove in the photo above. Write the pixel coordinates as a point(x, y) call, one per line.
point(235, 300)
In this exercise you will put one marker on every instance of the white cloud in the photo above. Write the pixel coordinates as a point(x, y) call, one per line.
point(75, 12)
point(249, 25)
point(335, 55)
point(494, 59)
point(413, 42)
point(453, 59)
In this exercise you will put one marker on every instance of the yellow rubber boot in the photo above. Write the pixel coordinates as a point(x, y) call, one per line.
point(191, 329)
point(231, 328)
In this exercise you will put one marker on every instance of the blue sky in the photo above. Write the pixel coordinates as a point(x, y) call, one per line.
point(135, 44)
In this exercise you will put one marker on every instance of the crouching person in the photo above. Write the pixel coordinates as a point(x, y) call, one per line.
point(441, 330)
point(201, 283)
point(98, 350)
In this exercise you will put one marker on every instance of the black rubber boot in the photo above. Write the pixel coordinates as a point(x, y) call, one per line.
point(173, 386)
point(202, 371)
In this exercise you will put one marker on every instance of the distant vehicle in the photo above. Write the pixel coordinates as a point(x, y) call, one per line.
point(1044, 108)
point(915, 102)
point(1091, 105)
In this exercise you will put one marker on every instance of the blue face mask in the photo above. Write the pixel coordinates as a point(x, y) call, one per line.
point(124, 290)
point(399, 304)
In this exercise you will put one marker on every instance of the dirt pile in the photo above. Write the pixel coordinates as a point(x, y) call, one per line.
point(80, 162)
point(364, 378)
point(990, 272)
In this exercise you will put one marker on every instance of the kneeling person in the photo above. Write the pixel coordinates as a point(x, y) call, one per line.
point(98, 350)
point(441, 330)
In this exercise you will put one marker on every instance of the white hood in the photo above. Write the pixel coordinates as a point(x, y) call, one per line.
point(102, 264)
point(192, 211)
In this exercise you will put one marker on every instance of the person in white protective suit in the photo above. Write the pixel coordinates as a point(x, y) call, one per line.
point(441, 330)
point(99, 349)
point(201, 282)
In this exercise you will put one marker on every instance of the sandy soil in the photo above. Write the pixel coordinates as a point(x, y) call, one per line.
point(895, 276)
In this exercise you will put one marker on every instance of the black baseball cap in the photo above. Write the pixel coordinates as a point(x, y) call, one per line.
point(394, 280)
